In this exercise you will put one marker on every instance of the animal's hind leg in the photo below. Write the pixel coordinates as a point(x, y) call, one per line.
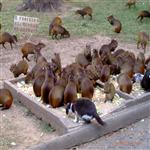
point(11, 45)
point(138, 44)
point(90, 16)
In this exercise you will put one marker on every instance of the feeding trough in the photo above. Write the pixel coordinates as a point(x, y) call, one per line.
point(127, 111)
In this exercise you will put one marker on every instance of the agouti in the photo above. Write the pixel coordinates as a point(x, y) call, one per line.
point(108, 47)
point(6, 98)
point(59, 30)
point(109, 91)
point(37, 84)
point(116, 23)
point(141, 57)
point(47, 85)
point(143, 14)
point(39, 58)
point(85, 11)
point(130, 3)
point(7, 37)
point(125, 83)
point(139, 67)
point(70, 93)
point(143, 39)
point(105, 73)
point(21, 67)
point(56, 21)
point(29, 48)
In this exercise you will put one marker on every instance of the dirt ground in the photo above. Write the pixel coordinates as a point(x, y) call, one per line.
point(20, 129)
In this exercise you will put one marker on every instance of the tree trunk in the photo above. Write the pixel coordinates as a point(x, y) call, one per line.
point(39, 5)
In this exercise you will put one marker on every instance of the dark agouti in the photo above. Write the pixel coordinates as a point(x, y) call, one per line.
point(131, 3)
point(116, 23)
point(56, 21)
point(109, 91)
point(70, 93)
point(85, 11)
point(1, 6)
point(143, 14)
point(6, 98)
point(125, 83)
point(143, 39)
point(47, 85)
point(59, 30)
point(7, 37)
point(29, 48)
point(21, 67)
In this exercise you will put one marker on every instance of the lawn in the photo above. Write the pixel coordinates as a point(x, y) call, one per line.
point(81, 28)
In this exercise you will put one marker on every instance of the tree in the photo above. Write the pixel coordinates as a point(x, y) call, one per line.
point(39, 5)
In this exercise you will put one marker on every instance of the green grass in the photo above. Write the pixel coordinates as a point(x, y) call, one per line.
point(81, 28)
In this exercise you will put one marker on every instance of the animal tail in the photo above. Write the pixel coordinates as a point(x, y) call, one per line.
point(99, 120)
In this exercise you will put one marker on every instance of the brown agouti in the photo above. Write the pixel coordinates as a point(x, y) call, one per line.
point(139, 67)
point(141, 57)
point(59, 30)
point(85, 11)
point(37, 84)
point(29, 48)
point(128, 69)
point(70, 93)
point(21, 67)
point(57, 61)
point(131, 3)
point(47, 85)
point(116, 23)
point(143, 39)
point(125, 83)
point(56, 21)
point(109, 47)
point(39, 58)
point(7, 37)
point(37, 70)
point(105, 73)
point(6, 98)
point(143, 14)
point(84, 58)
point(109, 91)
point(1, 6)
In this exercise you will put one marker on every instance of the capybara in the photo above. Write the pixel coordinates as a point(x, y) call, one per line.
point(143, 14)
point(6, 98)
point(85, 11)
point(21, 67)
point(70, 93)
point(125, 83)
point(116, 23)
point(145, 83)
point(56, 21)
point(131, 3)
point(109, 91)
point(29, 48)
point(59, 30)
point(48, 84)
point(143, 39)
point(7, 37)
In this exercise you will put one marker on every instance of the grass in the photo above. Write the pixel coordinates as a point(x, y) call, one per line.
point(81, 28)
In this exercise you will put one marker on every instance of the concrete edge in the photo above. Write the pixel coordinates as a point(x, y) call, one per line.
point(93, 131)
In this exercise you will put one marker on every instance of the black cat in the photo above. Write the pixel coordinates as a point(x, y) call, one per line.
point(145, 83)
point(85, 109)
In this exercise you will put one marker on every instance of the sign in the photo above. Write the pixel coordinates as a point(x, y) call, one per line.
point(25, 24)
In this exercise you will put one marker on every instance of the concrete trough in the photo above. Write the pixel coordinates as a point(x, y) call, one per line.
point(72, 134)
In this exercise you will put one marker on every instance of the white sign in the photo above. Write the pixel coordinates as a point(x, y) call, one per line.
point(25, 24)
